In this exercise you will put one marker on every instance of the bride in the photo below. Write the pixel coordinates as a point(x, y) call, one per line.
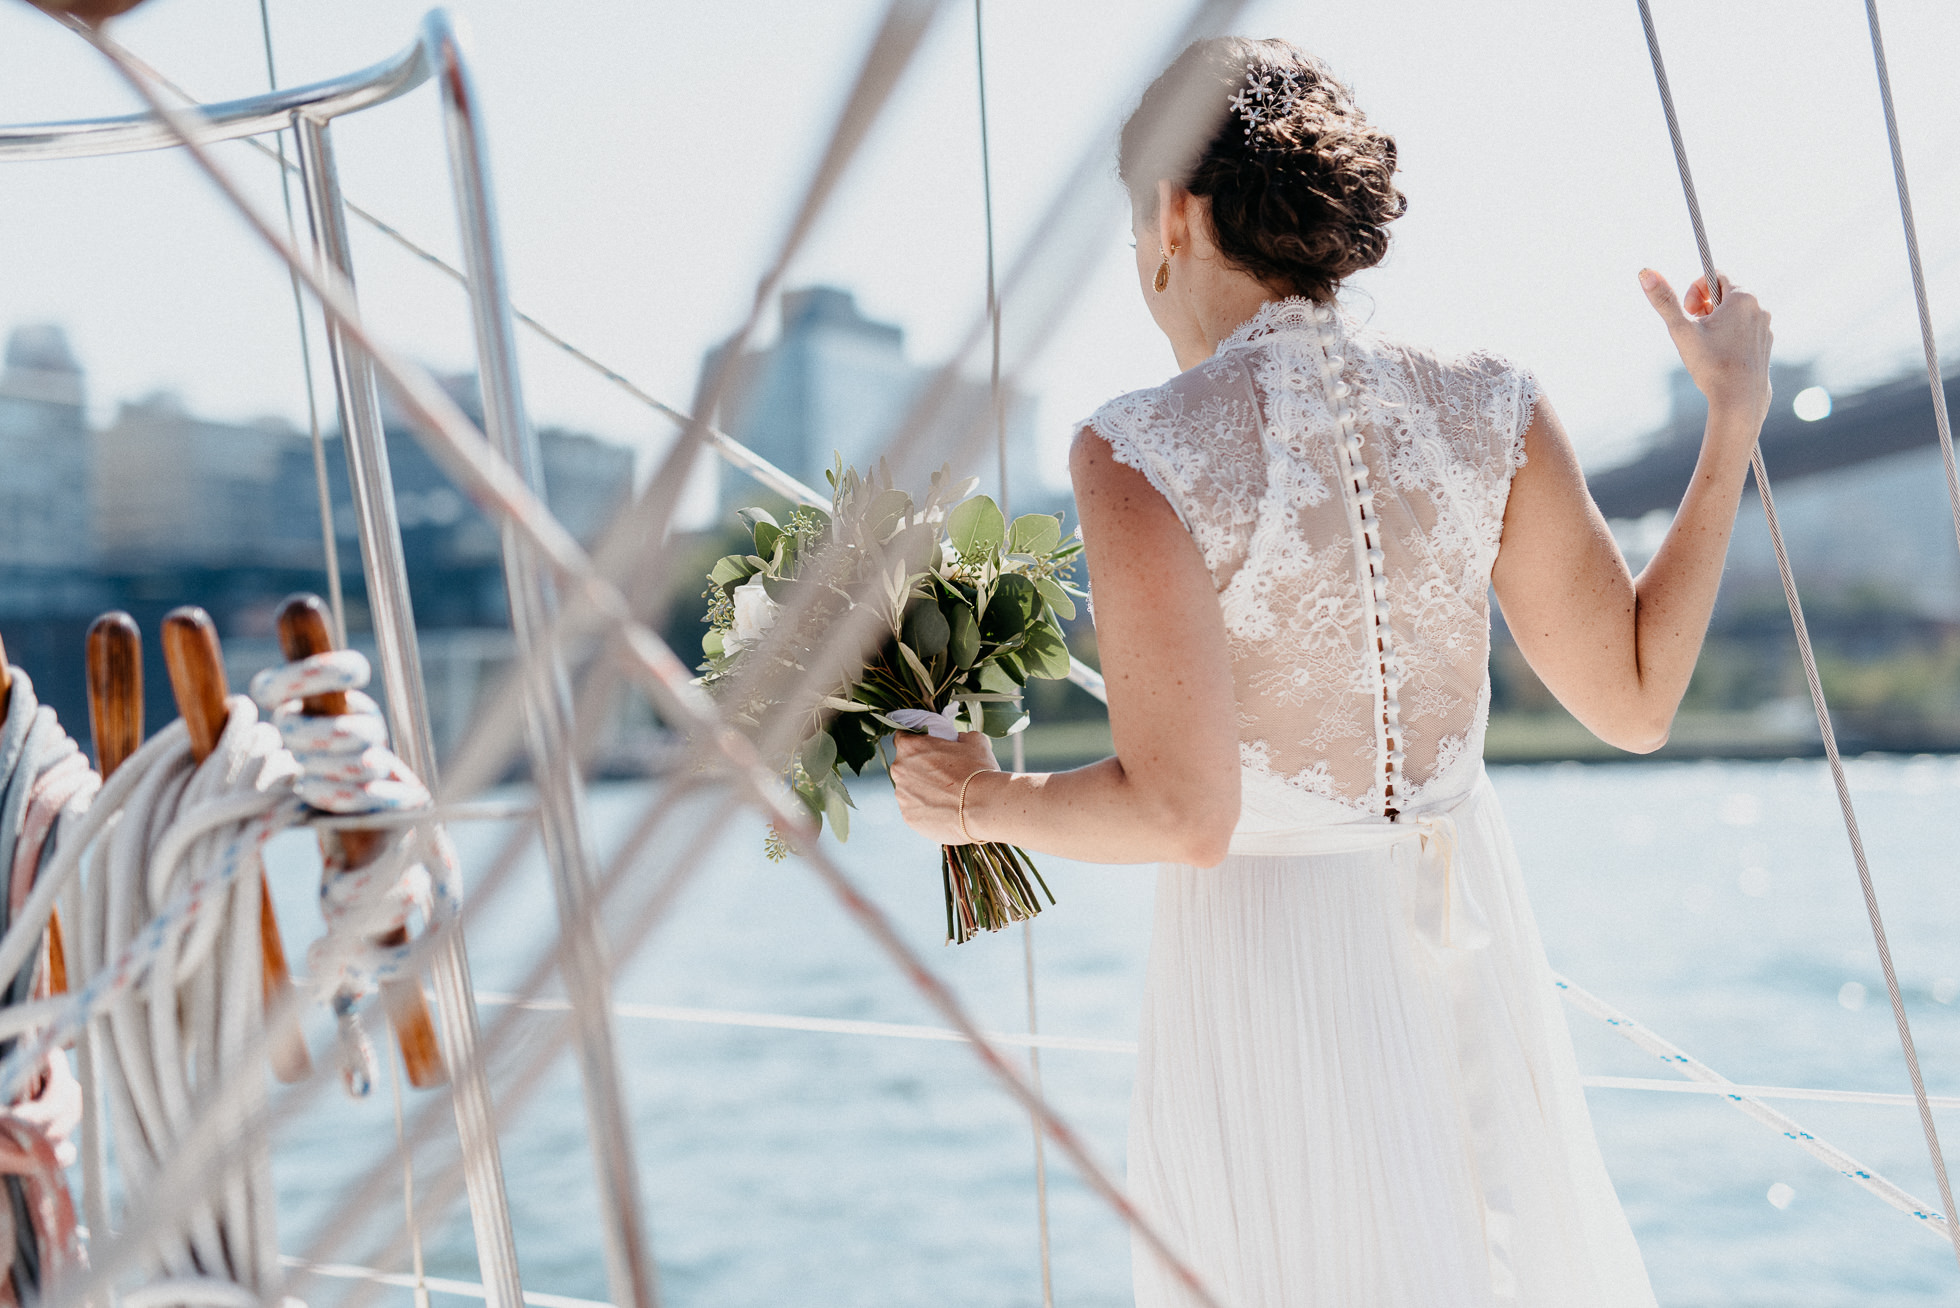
point(1355, 1088)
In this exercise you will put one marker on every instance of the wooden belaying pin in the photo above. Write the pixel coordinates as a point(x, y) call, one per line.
point(114, 662)
point(196, 664)
point(303, 632)
point(6, 681)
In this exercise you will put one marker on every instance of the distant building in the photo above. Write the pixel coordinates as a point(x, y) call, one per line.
point(171, 490)
point(836, 383)
point(161, 508)
point(44, 454)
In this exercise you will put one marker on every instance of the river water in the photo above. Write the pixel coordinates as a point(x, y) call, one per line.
point(1715, 902)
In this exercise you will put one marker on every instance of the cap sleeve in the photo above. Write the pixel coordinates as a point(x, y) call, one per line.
point(1197, 440)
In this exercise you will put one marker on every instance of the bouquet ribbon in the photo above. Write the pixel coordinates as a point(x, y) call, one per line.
point(937, 725)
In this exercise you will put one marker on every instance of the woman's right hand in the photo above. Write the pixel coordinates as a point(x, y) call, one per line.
point(1725, 346)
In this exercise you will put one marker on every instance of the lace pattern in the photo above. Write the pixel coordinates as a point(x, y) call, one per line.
point(1348, 668)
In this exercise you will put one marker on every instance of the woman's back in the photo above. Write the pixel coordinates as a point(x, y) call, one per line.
point(1354, 574)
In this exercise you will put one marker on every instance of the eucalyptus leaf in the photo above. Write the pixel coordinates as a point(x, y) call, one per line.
point(1045, 652)
point(1035, 533)
point(730, 568)
point(818, 756)
point(1012, 607)
point(767, 534)
point(711, 645)
point(998, 719)
point(963, 637)
point(885, 513)
point(926, 629)
point(994, 677)
point(976, 526)
point(1057, 597)
point(753, 517)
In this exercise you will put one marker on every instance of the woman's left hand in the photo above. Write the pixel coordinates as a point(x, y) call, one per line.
point(929, 774)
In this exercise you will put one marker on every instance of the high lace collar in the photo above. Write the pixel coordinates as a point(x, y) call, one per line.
point(1292, 314)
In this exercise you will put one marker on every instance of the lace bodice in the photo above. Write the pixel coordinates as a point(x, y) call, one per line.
point(1347, 492)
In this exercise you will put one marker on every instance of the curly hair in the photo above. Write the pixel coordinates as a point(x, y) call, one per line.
point(1301, 185)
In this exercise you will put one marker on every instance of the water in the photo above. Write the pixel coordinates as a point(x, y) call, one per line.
point(1714, 901)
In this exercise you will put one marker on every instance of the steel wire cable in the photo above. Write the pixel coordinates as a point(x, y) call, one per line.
point(1018, 748)
point(1927, 341)
point(329, 536)
point(1804, 651)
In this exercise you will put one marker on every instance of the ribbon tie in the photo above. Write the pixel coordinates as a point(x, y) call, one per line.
point(1447, 915)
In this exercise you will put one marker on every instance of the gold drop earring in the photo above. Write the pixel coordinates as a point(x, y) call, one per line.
point(1163, 280)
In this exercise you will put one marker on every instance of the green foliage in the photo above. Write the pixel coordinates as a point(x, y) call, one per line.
point(959, 608)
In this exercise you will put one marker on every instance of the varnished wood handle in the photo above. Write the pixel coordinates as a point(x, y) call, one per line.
point(6, 681)
point(303, 632)
point(196, 664)
point(114, 663)
point(115, 690)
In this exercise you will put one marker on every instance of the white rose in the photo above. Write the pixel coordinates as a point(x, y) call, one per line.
point(755, 613)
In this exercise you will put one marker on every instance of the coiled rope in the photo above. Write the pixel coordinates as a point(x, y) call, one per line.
point(169, 939)
point(1761, 473)
point(346, 769)
point(43, 779)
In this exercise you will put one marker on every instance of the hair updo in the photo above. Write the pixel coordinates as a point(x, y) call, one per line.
point(1301, 185)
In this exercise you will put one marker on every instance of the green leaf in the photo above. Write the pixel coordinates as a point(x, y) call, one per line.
point(750, 517)
point(976, 526)
point(882, 518)
point(1014, 603)
point(711, 645)
point(1046, 652)
point(818, 756)
point(994, 677)
point(854, 739)
point(1035, 533)
point(766, 536)
point(918, 545)
point(963, 637)
point(837, 807)
point(998, 719)
point(918, 668)
point(926, 629)
point(730, 568)
point(1058, 598)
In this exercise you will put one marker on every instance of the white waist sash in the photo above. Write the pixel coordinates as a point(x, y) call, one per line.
point(1446, 914)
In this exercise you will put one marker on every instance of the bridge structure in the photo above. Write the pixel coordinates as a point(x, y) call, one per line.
point(1893, 417)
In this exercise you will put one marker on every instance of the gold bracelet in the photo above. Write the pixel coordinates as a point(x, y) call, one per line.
point(963, 785)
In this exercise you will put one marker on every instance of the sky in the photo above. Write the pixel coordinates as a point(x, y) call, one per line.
point(648, 157)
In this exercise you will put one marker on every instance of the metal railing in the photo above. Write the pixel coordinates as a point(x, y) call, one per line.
point(309, 112)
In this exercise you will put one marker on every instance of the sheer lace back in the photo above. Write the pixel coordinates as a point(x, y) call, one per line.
point(1347, 492)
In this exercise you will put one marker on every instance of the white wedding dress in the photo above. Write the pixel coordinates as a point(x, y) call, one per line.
point(1356, 1088)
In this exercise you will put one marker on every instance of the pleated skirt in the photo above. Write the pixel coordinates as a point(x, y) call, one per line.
point(1333, 1111)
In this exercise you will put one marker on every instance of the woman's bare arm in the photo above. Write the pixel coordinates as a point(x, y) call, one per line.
point(1172, 790)
point(1618, 650)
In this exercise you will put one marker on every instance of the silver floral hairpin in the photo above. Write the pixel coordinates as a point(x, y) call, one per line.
point(1270, 93)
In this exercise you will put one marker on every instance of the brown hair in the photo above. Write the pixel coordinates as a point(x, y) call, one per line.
point(1301, 185)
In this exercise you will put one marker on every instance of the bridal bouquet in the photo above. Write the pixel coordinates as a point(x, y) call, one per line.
point(956, 607)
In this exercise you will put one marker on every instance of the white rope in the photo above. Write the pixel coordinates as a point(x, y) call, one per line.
point(1849, 814)
point(347, 769)
point(1752, 1106)
point(170, 943)
point(44, 781)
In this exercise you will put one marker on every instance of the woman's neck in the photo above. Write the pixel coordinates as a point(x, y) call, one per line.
point(1221, 309)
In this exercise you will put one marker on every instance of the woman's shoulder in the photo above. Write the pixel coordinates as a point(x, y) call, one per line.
point(1494, 391)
